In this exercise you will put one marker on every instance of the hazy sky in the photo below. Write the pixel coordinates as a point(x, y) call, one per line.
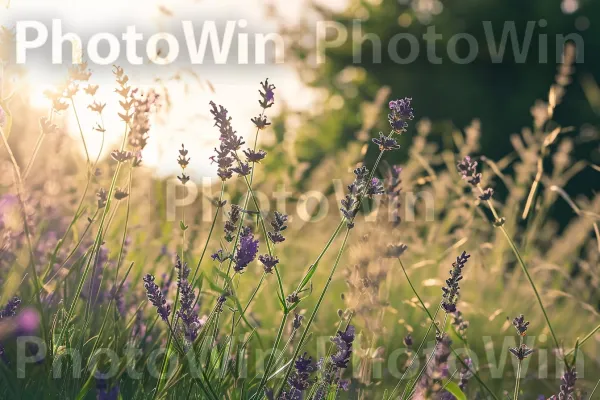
point(189, 120)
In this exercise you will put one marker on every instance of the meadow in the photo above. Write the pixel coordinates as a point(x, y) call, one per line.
point(419, 281)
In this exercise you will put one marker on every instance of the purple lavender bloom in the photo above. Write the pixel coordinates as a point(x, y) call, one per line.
point(243, 169)
point(246, 252)
point(255, 156)
point(230, 142)
point(487, 194)
point(103, 392)
point(386, 143)
point(567, 386)
point(231, 223)
point(436, 370)
point(189, 318)
point(521, 352)
point(401, 112)
point(521, 325)
point(219, 256)
point(269, 262)
point(452, 289)
point(267, 94)
point(343, 342)
point(468, 170)
point(156, 297)
point(279, 225)
point(10, 309)
point(300, 380)
point(361, 186)
point(260, 122)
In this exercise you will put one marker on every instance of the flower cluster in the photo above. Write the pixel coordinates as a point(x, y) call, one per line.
point(452, 289)
point(300, 380)
point(279, 226)
point(362, 186)
point(183, 162)
point(343, 342)
point(437, 369)
point(267, 94)
point(189, 319)
point(392, 193)
point(156, 297)
point(332, 368)
point(467, 168)
point(269, 262)
point(143, 105)
point(10, 309)
point(386, 143)
point(521, 352)
point(567, 387)
point(231, 223)
point(400, 113)
point(254, 156)
point(230, 142)
point(247, 250)
point(521, 325)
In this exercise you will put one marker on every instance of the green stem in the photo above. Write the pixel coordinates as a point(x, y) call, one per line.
point(432, 318)
point(518, 376)
point(525, 270)
point(314, 312)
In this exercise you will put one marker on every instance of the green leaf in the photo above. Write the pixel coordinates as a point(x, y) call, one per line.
point(183, 226)
point(453, 388)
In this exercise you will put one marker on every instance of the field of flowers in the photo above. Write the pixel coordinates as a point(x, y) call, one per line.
point(424, 285)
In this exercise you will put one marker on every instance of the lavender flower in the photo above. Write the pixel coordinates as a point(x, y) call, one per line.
point(360, 187)
point(293, 298)
point(183, 162)
point(243, 169)
point(401, 112)
point(120, 194)
point(220, 256)
point(231, 223)
point(260, 122)
point(567, 387)
point(521, 325)
point(386, 143)
point(247, 250)
point(395, 250)
point(300, 380)
point(468, 169)
point(452, 289)
point(102, 197)
point(121, 155)
point(267, 94)
point(230, 142)
point(255, 156)
point(487, 194)
point(103, 392)
point(343, 342)
point(465, 374)
point(279, 226)
point(521, 352)
point(156, 297)
point(189, 319)
point(10, 309)
point(436, 370)
point(182, 159)
point(297, 322)
point(269, 262)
